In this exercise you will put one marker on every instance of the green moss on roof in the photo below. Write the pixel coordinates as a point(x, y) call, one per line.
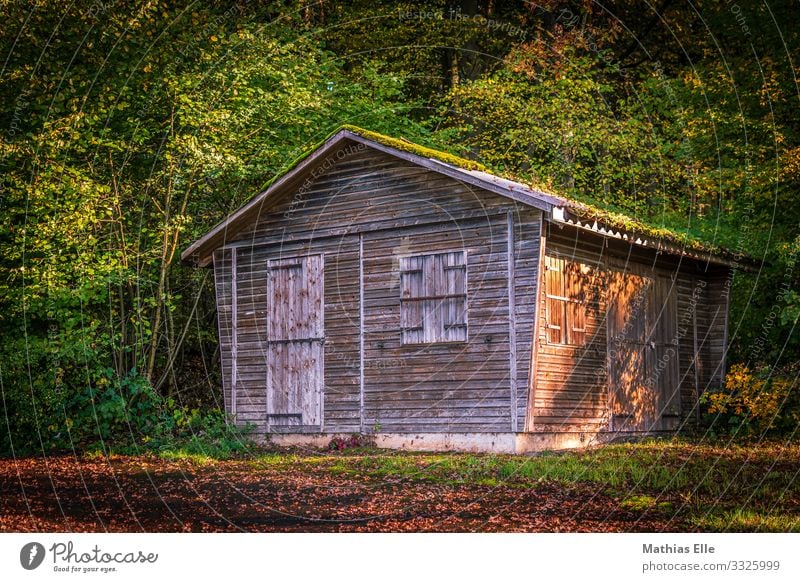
point(622, 222)
point(412, 148)
point(392, 142)
point(613, 220)
point(587, 211)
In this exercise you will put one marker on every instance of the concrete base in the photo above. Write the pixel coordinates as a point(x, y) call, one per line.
point(494, 442)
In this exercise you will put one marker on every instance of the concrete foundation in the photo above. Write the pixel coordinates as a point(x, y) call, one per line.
point(495, 442)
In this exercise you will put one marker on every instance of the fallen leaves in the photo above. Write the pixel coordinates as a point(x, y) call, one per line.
point(125, 494)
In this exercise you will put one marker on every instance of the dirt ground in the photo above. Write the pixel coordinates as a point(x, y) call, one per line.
point(137, 494)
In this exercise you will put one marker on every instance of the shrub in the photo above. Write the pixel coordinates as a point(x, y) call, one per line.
point(121, 413)
point(755, 402)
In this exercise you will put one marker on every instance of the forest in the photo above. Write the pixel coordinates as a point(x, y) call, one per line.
point(128, 129)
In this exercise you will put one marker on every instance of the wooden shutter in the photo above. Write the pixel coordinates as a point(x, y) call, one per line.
point(575, 280)
point(411, 293)
point(452, 310)
point(565, 305)
point(555, 301)
point(433, 298)
point(295, 342)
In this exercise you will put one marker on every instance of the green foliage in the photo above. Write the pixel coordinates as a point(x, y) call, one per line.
point(126, 131)
point(123, 414)
point(171, 117)
point(566, 130)
point(755, 403)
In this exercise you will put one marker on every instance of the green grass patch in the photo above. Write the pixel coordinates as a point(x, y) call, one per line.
point(719, 488)
point(639, 503)
point(748, 520)
point(183, 455)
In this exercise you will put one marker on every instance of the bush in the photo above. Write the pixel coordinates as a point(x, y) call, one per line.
point(112, 408)
point(755, 402)
point(120, 413)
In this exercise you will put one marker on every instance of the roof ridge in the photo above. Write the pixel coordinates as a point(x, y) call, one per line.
point(572, 211)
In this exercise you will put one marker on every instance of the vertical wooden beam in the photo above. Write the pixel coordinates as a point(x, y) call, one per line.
point(725, 326)
point(320, 382)
point(695, 352)
point(234, 334)
point(361, 332)
point(606, 301)
point(512, 322)
point(530, 416)
point(270, 352)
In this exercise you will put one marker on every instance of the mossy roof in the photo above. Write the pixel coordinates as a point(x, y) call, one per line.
point(609, 219)
point(605, 220)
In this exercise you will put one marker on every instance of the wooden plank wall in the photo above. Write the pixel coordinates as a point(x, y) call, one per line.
point(383, 207)
point(691, 296)
point(570, 391)
point(527, 248)
point(341, 354)
point(571, 382)
point(223, 277)
point(715, 335)
point(438, 387)
point(373, 205)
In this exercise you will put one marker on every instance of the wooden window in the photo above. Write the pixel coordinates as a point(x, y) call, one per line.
point(433, 298)
point(565, 306)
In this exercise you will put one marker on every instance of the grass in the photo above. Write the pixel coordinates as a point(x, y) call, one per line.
point(714, 487)
point(746, 520)
point(199, 449)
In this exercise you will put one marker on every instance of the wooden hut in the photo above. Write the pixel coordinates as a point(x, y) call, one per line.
point(383, 288)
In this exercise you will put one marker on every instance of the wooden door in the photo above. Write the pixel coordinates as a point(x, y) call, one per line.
point(642, 351)
point(295, 342)
point(663, 371)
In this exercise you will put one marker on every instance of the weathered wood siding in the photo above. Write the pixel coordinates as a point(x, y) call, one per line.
point(364, 212)
point(370, 216)
point(341, 348)
point(572, 385)
point(438, 387)
point(570, 390)
point(223, 280)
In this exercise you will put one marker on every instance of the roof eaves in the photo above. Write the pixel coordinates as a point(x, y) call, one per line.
point(195, 254)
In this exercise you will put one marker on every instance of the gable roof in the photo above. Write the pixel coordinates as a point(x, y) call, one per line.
point(558, 208)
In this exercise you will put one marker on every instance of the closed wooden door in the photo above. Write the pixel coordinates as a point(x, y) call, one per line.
point(642, 351)
point(295, 342)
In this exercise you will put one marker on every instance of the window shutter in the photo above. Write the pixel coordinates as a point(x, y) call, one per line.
point(433, 298)
point(555, 314)
point(565, 306)
point(576, 308)
point(454, 307)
